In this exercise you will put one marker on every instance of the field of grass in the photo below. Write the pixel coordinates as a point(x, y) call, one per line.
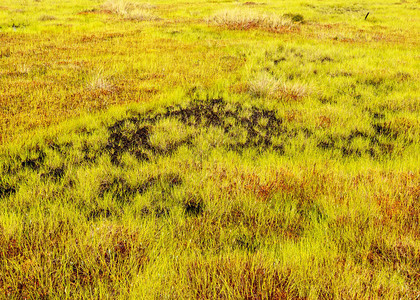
point(209, 149)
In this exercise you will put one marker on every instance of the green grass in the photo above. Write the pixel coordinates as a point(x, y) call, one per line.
point(202, 150)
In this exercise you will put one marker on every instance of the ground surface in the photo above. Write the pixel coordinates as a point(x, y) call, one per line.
point(209, 149)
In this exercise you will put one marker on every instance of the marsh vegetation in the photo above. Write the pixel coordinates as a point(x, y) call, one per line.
point(210, 149)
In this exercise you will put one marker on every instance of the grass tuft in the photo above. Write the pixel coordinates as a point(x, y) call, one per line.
point(266, 86)
point(99, 81)
point(239, 19)
point(130, 10)
point(47, 18)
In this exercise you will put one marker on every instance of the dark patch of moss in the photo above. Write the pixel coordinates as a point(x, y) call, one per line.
point(380, 144)
point(247, 242)
point(356, 133)
point(193, 205)
point(297, 18)
point(6, 190)
point(348, 151)
point(133, 133)
point(134, 141)
point(54, 173)
point(382, 129)
point(327, 100)
point(60, 148)
point(122, 191)
point(156, 210)
point(326, 59)
point(89, 154)
point(376, 114)
point(375, 82)
point(100, 213)
point(34, 161)
point(258, 128)
point(279, 60)
point(327, 143)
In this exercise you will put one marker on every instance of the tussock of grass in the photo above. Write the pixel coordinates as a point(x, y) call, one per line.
point(47, 18)
point(267, 86)
point(130, 10)
point(239, 19)
point(98, 81)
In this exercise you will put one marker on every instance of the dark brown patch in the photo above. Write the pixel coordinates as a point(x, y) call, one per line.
point(260, 126)
point(34, 161)
point(193, 205)
point(54, 173)
point(100, 213)
point(6, 190)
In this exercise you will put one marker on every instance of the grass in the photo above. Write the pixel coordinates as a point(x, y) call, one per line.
point(266, 86)
point(245, 19)
point(202, 150)
point(130, 10)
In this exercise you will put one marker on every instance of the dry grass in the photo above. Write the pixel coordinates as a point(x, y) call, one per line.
point(267, 86)
point(240, 19)
point(99, 81)
point(130, 10)
point(257, 281)
point(48, 259)
point(47, 18)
